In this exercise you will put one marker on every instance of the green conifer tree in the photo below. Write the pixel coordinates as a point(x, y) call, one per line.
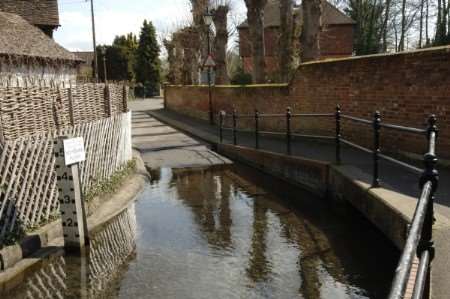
point(148, 65)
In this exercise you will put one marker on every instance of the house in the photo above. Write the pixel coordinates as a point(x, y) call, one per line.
point(336, 39)
point(43, 14)
point(86, 69)
point(28, 55)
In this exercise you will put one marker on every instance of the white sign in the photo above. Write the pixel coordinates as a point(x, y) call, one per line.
point(74, 150)
point(209, 62)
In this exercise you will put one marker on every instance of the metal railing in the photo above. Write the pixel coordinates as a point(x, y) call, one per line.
point(420, 236)
point(419, 239)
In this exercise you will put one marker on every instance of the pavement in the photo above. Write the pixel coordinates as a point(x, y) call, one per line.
point(163, 146)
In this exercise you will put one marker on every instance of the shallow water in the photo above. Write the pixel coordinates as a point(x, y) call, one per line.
point(216, 234)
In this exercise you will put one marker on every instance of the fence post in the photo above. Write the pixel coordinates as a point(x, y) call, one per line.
point(256, 129)
point(430, 174)
point(125, 98)
point(234, 126)
point(338, 134)
point(288, 130)
point(376, 148)
point(71, 106)
point(108, 104)
point(221, 116)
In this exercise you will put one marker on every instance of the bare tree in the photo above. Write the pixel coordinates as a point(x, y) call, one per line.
point(385, 28)
point(220, 43)
point(285, 40)
point(401, 45)
point(312, 23)
point(255, 19)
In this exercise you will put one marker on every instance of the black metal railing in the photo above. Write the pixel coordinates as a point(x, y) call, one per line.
point(419, 239)
point(376, 124)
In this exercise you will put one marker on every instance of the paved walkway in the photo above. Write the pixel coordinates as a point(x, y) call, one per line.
point(163, 146)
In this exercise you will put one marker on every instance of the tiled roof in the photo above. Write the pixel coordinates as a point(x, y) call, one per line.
point(21, 39)
point(87, 56)
point(36, 12)
point(331, 15)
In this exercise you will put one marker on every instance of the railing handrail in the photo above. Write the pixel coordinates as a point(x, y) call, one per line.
point(344, 116)
point(419, 241)
point(406, 260)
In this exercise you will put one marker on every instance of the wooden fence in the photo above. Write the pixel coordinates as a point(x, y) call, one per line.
point(30, 110)
point(28, 193)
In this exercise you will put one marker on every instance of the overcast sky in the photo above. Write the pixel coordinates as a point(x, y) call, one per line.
point(114, 17)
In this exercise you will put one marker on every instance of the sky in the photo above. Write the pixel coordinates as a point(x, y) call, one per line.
point(118, 17)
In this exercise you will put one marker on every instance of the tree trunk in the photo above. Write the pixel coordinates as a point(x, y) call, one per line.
point(170, 48)
point(427, 36)
point(444, 19)
point(438, 38)
point(199, 50)
point(310, 43)
point(220, 45)
point(385, 24)
point(421, 24)
point(285, 41)
point(401, 46)
point(255, 19)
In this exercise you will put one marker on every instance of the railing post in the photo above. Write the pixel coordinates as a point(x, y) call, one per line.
point(376, 148)
point(256, 129)
point(234, 126)
point(221, 116)
point(288, 130)
point(338, 134)
point(430, 174)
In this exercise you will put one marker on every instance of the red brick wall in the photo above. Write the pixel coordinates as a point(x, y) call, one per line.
point(271, 48)
point(405, 87)
point(272, 65)
point(270, 41)
point(336, 40)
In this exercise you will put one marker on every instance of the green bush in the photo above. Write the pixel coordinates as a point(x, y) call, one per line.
point(240, 77)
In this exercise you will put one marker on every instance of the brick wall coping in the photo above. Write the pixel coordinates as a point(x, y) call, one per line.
point(271, 85)
point(381, 55)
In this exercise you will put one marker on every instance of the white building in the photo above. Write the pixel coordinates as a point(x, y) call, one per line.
point(29, 56)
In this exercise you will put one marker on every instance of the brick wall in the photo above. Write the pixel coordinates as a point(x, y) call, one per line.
point(271, 49)
point(270, 40)
point(405, 87)
point(336, 40)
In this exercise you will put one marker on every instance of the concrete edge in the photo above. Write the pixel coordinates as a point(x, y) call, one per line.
point(315, 180)
point(186, 129)
point(48, 239)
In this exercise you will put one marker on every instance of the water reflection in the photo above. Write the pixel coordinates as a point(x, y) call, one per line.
point(224, 234)
point(93, 274)
point(303, 251)
point(208, 198)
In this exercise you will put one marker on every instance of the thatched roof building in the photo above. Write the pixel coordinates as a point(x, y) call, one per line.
point(27, 53)
point(43, 14)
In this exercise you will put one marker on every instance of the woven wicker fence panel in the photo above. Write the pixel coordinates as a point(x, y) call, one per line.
point(89, 102)
point(32, 110)
point(28, 193)
point(117, 94)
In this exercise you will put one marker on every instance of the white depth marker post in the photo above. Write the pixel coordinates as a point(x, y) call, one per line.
point(68, 153)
